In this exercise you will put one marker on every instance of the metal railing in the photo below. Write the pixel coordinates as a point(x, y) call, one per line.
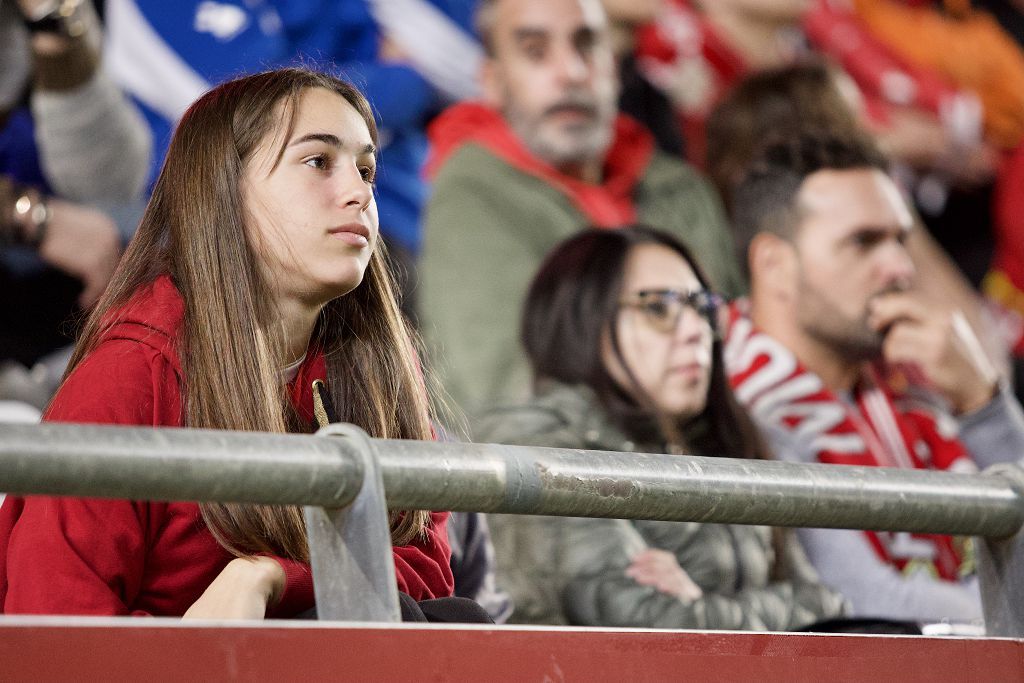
point(346, 482)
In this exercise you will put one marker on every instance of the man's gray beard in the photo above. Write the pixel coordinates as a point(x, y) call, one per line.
point(588, 143)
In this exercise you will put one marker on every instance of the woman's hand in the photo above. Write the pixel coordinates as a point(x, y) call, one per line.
point(660, 569)
point(243, 590)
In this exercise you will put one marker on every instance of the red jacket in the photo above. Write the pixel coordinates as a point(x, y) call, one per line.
point(117, 557)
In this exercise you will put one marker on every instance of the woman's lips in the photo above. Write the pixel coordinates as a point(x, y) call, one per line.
point(355, 234)
point(687, 370)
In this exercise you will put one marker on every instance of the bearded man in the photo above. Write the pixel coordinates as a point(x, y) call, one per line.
point(543, 156)
point(841, 360)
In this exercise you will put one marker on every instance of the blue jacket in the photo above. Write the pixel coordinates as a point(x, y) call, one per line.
point(202, 42)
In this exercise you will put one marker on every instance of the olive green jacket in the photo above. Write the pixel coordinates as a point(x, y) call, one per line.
point(571, 570)
point(488, 227)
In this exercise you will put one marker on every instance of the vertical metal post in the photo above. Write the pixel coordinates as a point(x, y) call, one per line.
point(1001, 571)
point(350, 548)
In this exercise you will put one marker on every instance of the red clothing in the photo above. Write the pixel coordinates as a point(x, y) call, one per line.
point(885, 423)
point(118, 557)
point(1004, 284)
point(684, 55)
point(608, 205)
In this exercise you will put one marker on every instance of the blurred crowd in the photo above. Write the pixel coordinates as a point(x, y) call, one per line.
point(777, 229)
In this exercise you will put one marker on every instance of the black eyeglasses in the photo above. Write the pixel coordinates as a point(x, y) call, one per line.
point(662, 308)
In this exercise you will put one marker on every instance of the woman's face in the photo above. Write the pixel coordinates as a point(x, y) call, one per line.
point(313, 217)
point(664, 340)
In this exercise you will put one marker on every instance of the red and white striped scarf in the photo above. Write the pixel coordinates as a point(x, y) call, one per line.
point(885, 423)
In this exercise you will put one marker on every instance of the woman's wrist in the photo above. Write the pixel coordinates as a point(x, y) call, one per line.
point(262, 574)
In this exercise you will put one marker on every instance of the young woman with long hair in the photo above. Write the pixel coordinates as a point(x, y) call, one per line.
point(254, 296)
point(619, 327)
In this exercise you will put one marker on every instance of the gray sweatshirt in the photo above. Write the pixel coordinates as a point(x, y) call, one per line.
point(845, 559)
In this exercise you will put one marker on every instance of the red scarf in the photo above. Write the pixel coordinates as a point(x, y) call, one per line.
point(608, 205)
point(878, 427)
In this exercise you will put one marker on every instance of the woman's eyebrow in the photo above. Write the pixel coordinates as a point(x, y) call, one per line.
point(331, 140)
point(326, 138)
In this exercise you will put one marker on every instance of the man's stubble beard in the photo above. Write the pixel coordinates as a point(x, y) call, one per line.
point(852, 340)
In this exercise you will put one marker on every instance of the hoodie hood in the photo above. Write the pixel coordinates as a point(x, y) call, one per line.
point(152, 316)
point(608, 204)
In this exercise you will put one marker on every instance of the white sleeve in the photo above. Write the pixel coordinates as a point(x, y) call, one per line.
point(995, 433)
point(94, 144)
point(846, 561)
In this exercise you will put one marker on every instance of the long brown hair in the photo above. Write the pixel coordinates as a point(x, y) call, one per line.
point(573, 304)
point(230, 346)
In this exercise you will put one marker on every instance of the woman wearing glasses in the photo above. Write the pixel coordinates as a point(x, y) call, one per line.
point(620, 329)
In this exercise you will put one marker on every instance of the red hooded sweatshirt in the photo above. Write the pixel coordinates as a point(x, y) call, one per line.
point(116, 557)
point(608, 205)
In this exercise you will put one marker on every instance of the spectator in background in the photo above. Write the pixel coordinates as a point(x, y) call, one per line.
point(696, 50)
point(619, 327)
point(73, 159)
point(639, 98)
point(812, 95)
point(964, 46)
point(543, 156)
point(931, 125)
point(840, 360)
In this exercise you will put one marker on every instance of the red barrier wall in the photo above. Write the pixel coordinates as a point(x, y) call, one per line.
point(38, 649)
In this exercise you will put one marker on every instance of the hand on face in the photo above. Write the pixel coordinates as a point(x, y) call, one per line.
point(661, 570)
point(243, 590)
point(938, 343)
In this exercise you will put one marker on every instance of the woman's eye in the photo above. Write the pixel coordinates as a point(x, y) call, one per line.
point(368, 173)
point(657, 309)
point(702, 302)
point(318, 162)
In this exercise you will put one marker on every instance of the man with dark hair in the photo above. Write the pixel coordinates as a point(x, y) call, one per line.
point(543, 156)
point(841, 361)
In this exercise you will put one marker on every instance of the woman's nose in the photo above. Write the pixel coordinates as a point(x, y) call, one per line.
point(353, 188)
point(690, 327)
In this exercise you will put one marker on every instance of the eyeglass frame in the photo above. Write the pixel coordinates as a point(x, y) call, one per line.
point(703, 302)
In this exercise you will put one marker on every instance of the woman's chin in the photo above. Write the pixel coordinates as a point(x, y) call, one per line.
point(338, 286)
point(684, 407)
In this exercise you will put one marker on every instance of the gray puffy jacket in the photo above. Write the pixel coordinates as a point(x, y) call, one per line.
point(572, 570)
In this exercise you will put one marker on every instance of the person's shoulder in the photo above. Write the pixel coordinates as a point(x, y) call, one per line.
point(667, 170)
point(473, 166)
point(788, 444)
point(491, 196)
point(553, 418)
point(122, 381)
point(469, 160)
